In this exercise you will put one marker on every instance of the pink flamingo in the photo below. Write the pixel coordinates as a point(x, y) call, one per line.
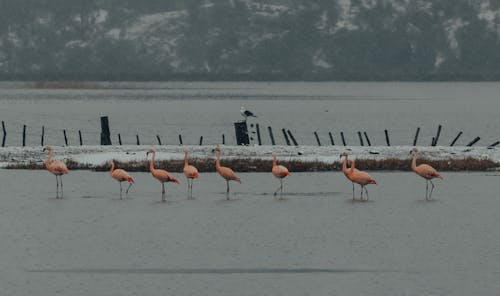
point(425, 171)
point(279, 172)
point(346, 171)
point(161, 175)
point(361, 178)
point(191, 173)
point(225, 172)
point(56, 167)
point(121, 176)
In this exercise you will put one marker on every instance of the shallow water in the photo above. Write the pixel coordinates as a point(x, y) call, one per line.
point(209, 109)
point(314, 242)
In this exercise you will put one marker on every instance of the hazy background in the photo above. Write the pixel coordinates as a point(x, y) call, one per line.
point(249, 39)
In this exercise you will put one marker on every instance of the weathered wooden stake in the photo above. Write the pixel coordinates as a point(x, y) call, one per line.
point(4, 133)
point(137, 139)
point(180, 139)
point(201, 140)
point(438, 133)
point(257, 129)
point(360, 139)
point(331, 138)
point(343, 139)
point(317, 138)
point(415, 139)
point(270, 135)
point(387, 138)
point(286, 137)
point(224, 139)
point(494, 144)
point(80, 136)
point(456, 138)
point(43, 135)
point(119, 139)
point(159, 140)
point(24, 135)
point(474, 141)
point(367, 139)
point(105, 134)
point(292, 138)
point(65, 137)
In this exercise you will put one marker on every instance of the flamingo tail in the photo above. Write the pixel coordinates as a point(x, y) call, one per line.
point(131, 180)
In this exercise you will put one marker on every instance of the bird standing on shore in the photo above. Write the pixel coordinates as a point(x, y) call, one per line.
point(345, 170)
point(56, 167)
point(191, 173)
point(245, 113)
point(425, 171)
point(121, 176)
point(161, 175)
point(279, 172)
point(226, 173)
point(361, 178)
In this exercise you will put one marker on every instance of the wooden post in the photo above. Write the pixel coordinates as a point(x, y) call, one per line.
point(456, 138)
point(257, 129)
point(292, 138)
point(137, 138)
point(415, 139)
point(270, 135)
point(331, 138)
point(474, 141)
point(24, 135)
point(317, 138)
point(119, 139)
point(224, 140)
point(286, 137)
point(494, 144)
point(159, 140)
point(387, 138)
point(367, 139)
point(432, 141)
point(80, 136)
point(105, 134)
point(180, 139)
point(201, 140)
point(360, 139)
point(43, 135)
point(343, 139)
point(65, 137)
point(437, 136)
point(4, 133)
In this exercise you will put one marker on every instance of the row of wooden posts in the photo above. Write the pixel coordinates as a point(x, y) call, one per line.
point(242, 136)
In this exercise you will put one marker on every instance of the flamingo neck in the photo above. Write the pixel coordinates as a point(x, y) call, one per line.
point(351, 171)
point(48, 161)
point(151, 163)
point(112, 167)
point(185, 159)
point(344, 165)
point(274, 160)
point(217, 160)
point(414, 161)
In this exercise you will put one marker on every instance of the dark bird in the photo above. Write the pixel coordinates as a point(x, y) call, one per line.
point(245, 113)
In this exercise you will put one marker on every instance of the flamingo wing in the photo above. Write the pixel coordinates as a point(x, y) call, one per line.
point(427, 172)
point(164, 176)
point(58, 167)
point(280, 171)
point(191, 172)
point(228, 174)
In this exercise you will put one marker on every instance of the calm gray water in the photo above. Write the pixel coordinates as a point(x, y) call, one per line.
point(209, 109)
point(316, 242)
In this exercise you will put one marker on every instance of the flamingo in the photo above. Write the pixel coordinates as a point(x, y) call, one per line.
point(425, 171)
point(121, 176)
point(279, 172)
point(190, 172)
point(56, 167)
point(161, 175)
point(346, 171)
point(225, 172)
point(361, 178)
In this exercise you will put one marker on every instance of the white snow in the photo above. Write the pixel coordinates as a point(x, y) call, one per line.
point(96, 155)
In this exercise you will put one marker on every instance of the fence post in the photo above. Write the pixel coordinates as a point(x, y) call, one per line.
point(474, 141)
point(270, 135)
point(367, 139)
point(456, 138)
point(415, 139)
point(119, 139)
point(343, 139)
point(159, 140)
point(360, 139)
point(493, 145)
point(258, 134)
point(317, 138)
point(24, 135)
point(331, 138)
point(387, 138)
point(137, 138)
point(4, 133)
point(292, 138)
point(43, 135)
point(201, 140)
point(241, 130)
point(105, 135)
point(286, 137)
point(180, 139)
point(224, 140)
point(437, 136)
point(80, 136)
point(65, 137)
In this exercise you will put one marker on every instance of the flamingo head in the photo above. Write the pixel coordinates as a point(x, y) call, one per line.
point(47, 148)
point(216, 149)
point(185, 151)
point(151, 150)
point(344, 154)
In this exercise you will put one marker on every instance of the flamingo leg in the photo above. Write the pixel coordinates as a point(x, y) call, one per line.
point(361, 192)
point(281, 192)
point(57, 188)
point(162, 191)
point(353, 198)
point(276, 192)
point(129, 185)
point(367, 196)
point(227, 191)
point(432, 189)
point(120, 189)
point(426, 189)
point(62, 191)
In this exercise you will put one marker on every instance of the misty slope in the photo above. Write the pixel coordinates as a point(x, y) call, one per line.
point(343, 39)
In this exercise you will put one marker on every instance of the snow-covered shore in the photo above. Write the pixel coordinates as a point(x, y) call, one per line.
point(97, 155)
